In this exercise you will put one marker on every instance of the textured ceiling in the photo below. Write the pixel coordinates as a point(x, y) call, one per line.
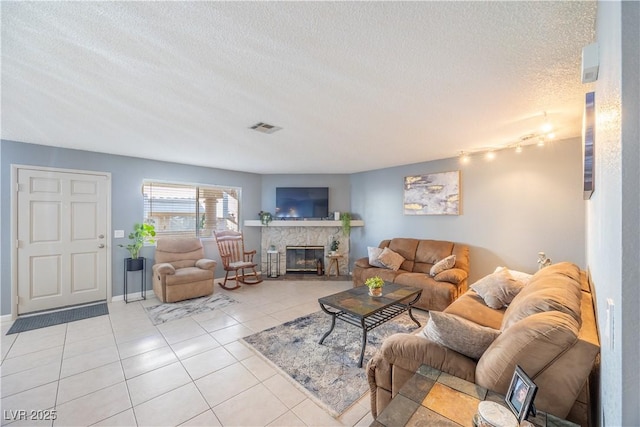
point(354, 85)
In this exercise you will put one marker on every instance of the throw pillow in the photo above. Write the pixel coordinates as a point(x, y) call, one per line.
point(454, 275)
point(391, 259)
point(458, 334)
point(518, 275)
point(498, 289)
point(443, 264)
point(374, 253)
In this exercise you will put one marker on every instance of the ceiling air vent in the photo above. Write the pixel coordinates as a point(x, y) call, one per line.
point(265, 128)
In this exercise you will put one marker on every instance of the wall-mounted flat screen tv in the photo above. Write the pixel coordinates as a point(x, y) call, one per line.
point(302, 202)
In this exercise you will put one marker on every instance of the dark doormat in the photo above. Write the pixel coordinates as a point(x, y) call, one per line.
point(23, 324)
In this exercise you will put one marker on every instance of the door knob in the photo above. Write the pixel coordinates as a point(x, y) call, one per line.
point(101, 236)
point(101, 245)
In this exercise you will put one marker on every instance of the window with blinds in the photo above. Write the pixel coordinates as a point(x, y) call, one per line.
point(183, 210)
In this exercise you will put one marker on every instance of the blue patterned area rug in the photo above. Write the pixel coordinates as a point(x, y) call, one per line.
point(163, 313)
point(328, 372)
point(29, 323)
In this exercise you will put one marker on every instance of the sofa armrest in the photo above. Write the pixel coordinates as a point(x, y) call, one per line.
point(206, 264)
point(363, 263)
point(411, 351)
point(453, 275)
point(164, 268)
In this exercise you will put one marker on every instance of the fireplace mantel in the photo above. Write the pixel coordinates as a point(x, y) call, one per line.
point(301, 223)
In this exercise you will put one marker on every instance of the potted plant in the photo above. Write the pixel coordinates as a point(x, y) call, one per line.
point(335, 244)
point(375, 285)
point(345, 217)
point(141, 233)
point(265, 217)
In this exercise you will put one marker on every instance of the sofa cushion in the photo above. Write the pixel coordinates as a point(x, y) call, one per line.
point(459, 334)
point(384, 273)
point(533, 343)
point(429, 252)
point(407, 248)
point(435, 295)
point(188, 275)
point(180, 252)
point(453, 275)
point(374, 253)
point(498, 289)
point(442, 265)
point(391, 259)
point(472, 307)
point(554, 288)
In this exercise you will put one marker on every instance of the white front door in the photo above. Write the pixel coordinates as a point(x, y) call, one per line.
point(62, 238)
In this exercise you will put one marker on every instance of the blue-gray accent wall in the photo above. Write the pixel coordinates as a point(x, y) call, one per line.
point(511, 207)
point(338, 184)
point(127, 175)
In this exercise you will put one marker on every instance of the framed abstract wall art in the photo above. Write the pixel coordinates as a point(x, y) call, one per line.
point(432, 194)
point(588, 144)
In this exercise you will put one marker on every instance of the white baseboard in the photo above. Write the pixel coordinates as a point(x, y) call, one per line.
point(6, 318)
point(133, 296)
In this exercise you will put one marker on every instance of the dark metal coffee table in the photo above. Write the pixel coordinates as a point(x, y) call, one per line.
point(357, 308)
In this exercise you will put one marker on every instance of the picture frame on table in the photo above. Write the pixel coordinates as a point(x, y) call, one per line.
point(520, 395)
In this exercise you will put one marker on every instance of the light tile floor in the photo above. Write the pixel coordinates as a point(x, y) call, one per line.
point(121, 370)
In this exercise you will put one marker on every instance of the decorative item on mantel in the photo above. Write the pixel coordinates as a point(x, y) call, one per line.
point(265, 217)
point(375, 285)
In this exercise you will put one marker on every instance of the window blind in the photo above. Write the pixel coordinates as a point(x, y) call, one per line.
point(182, 210)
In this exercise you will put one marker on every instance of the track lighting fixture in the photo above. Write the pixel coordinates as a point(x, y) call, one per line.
point(539, 138)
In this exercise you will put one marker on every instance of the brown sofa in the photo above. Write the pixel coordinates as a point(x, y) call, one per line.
point(420, 255)
point(181, 270)
point(549, 329)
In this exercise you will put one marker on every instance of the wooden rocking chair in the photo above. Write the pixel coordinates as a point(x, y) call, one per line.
point(236, 259)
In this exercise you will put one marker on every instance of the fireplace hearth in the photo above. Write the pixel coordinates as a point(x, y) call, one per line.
point(301, 259)
point(286, 234)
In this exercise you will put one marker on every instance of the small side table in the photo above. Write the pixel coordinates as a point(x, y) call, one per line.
point(432, 397)
point(273, 257)
point(334, 260)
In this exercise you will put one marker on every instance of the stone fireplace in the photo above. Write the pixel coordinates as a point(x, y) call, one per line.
point(290, 234)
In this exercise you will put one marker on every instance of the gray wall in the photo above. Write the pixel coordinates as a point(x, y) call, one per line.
point(613, 212)
point(126, 197)
point(504, 202)
point(512, 207)
point(339, 189)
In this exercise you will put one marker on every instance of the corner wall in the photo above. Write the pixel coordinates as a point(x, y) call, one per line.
point(511, 207)
point(613, 212)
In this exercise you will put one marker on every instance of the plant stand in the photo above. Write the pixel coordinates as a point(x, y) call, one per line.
point(132, 265)
point(273, 263)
